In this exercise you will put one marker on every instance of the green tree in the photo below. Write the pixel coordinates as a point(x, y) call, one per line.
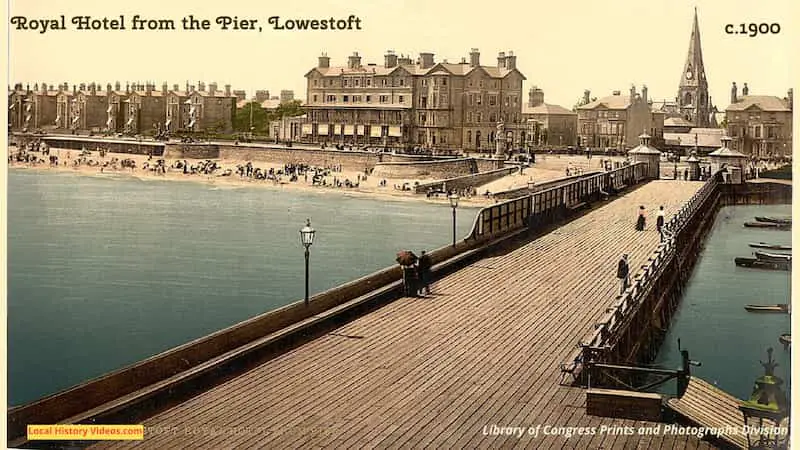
point(260, 118)
point(289, 109)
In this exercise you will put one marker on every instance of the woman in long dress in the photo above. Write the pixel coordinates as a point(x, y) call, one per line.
point(640, 220)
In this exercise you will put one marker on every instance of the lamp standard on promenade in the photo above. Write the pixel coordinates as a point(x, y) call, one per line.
point(453, 204)
point(307, 238)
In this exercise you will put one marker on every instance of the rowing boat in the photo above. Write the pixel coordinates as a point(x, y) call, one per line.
point(780, 220)
point(777, 226)
point(773, 257)
point(770, 246)
point(779, 308)
point(756, 263)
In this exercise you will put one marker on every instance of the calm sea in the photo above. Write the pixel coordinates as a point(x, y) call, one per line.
point(106, 271)
point(711, 321)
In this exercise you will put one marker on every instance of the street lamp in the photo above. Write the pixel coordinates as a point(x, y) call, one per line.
point(307, 238)
point(454, 204)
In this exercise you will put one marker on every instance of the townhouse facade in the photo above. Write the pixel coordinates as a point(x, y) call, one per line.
point(437, 105)
point(760, 125)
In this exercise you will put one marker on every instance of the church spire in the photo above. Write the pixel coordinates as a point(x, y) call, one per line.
point(693, 70)
point(694, 103)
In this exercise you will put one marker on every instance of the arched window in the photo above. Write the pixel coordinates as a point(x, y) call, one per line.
point(469, 137)
point(687, 99)
point(477, 139)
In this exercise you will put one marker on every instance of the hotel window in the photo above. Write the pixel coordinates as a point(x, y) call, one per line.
point(383, 82)
point(480, 84)
point(471, 99)
point(492, 100)
point(757, 132)
point(424, 82)
point(470, 83)
point(400, 99)
point(315, 83)
point(492, 117)
point(315, 99)
point(402, 81)
point(384, 99)
point(444, 81)
point(506, 100)
point(356, 99)
point(422, 118)
point(478, 117)
point(469, 117)
point(369, 81)
point(355, 82)
point(469, 136)
point(495, 84)
point(771, 132)
point(344, 82)
point(478, 99)
point(369, 98)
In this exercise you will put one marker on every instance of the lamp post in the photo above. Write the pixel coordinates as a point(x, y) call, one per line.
point(307, 238)
point(767, 409)
point(454, 204)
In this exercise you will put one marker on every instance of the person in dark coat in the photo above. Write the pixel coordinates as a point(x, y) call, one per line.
point(660, 222)
point(640, 220)
point(424, 273)
point(623, 273)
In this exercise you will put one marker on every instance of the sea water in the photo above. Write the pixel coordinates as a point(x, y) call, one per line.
point(106, 271)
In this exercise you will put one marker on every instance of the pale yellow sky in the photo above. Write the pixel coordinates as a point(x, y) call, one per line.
point(562, 46)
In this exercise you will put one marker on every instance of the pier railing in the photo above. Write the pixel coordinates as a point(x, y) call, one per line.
point(610, 341)
point(549, 205)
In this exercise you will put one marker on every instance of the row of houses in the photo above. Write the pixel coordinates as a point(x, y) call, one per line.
point(136, 109)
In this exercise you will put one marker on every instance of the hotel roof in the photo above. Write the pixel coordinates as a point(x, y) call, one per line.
point(546, 108)
point(762, 102)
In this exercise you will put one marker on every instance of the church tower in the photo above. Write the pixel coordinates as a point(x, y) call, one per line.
point(693, 100)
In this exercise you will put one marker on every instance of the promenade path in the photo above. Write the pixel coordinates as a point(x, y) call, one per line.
point(432, 372)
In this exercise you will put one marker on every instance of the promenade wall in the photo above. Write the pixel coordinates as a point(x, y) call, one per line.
point(426, 169)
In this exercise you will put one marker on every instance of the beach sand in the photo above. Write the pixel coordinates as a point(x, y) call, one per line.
point(546, 168)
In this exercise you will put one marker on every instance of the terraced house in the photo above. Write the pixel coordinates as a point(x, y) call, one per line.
point(437, 105)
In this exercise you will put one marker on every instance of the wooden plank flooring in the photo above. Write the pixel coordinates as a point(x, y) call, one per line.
point(709, 406)
point(433, 372)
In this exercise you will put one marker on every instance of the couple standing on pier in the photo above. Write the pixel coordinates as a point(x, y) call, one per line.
point(640, 221)
point(416, 273)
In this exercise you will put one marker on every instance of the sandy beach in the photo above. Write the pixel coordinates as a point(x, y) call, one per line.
point(547, 167)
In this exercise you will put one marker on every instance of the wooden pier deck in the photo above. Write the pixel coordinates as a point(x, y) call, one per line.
point(483, 350)
point(709, 406)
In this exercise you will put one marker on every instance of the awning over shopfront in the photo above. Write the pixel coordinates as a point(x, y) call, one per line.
point(322, 129)
point(375, 130)
point(306, 128)
point(395, 131)
point(348, 130)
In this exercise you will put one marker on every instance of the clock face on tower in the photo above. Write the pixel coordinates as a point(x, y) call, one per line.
point(689, 75)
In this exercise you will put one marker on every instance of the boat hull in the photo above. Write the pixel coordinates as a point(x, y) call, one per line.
point(773, 257)
point(770, 225)
point(779, 308)
point(766, 246)
point(755, 263)
point(778, 220)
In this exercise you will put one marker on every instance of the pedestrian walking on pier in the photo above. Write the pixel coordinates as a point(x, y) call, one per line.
point(424, 273)
point(623, 271)
point(660, 222)
point(640, 221)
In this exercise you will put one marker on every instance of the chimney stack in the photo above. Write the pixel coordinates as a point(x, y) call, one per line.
point(426, 60)
point(148, 88)
point(175, 87)
point(324, 61)
point(227, 90)
point(734, 94)
point(745, 90)
point(644, 93)
point(403, 60)
point(354, 61)
point(390, 59)
point(511, 61)
point(474, 57)
point(586, 96)
point(187, 87)
point(791, 98)
point(164, 88)
point(201, 86)
point(501, 60)
point(108, 89)
point(117, 86)
point(93, 88)
point(74, 90)
point(535, 97)
point(633, 92)
point(212, 88)
point(83, 86)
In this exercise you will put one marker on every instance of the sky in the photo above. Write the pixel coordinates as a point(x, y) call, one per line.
point(563, 47)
